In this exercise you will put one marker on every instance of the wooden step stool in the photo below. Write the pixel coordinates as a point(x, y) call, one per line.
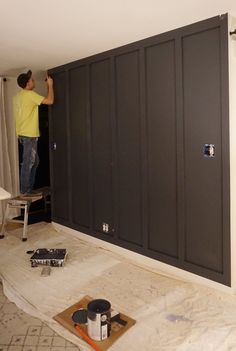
point(23, 203)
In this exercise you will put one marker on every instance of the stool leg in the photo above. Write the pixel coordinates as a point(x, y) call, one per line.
point(4, 222)
point(24, 237)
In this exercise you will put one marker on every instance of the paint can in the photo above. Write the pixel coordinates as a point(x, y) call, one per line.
point(99, 319)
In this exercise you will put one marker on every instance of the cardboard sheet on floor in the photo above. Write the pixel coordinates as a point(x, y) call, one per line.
point(117, 330)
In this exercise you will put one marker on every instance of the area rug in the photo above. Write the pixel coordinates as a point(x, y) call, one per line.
point(171, 315)
point(20, 331)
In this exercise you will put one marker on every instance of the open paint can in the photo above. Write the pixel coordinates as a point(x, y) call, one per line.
point(99, 319)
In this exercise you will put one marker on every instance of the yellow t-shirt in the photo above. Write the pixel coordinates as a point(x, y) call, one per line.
point(25, 108)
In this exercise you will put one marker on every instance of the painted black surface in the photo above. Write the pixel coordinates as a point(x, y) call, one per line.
point(59, 148)
point(37, 211)
point(203, 175)
point(100, 112)
point(140, 116)
point(128, 147)
point(162, 164)
point(43, 175)
point(78, 116)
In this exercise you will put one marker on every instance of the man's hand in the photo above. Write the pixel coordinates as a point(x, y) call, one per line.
point(49, 81)
point(50, 97)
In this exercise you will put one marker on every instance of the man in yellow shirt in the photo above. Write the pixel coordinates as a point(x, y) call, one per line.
point(25, 106)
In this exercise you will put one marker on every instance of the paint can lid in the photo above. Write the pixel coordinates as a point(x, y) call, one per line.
point(99, 306)
point(80, 316)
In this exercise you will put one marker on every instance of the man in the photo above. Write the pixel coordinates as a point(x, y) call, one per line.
point(25, 106)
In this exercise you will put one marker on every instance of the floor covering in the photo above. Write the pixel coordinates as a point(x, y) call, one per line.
point(171, 315)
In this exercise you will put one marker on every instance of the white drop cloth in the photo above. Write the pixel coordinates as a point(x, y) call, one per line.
point(4, 194)
point(171, 315)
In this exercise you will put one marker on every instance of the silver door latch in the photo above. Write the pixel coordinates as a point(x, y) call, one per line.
point(209, 150)
point(54, 146)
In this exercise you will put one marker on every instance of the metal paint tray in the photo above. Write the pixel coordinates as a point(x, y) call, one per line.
point(48, 257)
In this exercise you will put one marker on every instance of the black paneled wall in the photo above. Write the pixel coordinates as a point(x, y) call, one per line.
point(101, 143)
point(79, 149)
point(131, 129)
point(202, 117)
point(128, 147)
point(59, 145)
point(161, 146)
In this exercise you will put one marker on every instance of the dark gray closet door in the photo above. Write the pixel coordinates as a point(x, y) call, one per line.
point(101, 137)
point(128, 148)
point(59, 152)
point(78, 102)
point(205, 235)
point(161, 148)
point(144, 121)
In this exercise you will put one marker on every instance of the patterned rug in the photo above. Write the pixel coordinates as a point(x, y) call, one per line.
point(22, 332)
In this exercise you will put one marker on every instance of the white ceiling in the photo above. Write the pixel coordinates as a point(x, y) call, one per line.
point(46, 33)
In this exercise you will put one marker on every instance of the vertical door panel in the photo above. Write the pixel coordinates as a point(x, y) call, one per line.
point(161, 140)
point(78, 101)
point(101, 146)
point(202, 125)
point(60, 181)
point(128, 141)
